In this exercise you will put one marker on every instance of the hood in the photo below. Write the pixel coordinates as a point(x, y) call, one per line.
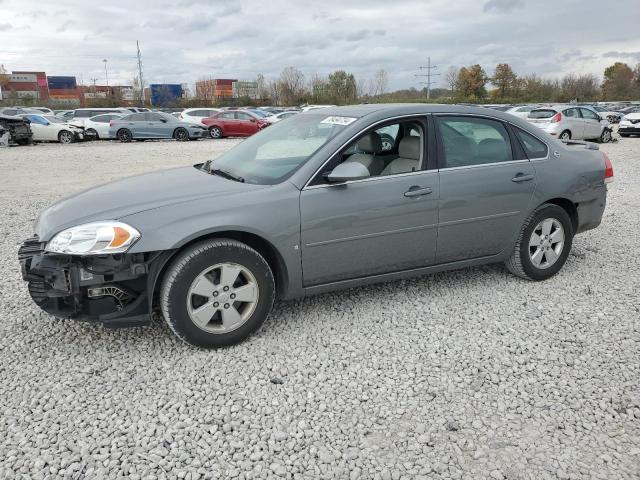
point(133, 195)
point(632, 116)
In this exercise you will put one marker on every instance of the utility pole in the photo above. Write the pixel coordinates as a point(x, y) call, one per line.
point(428, 68)
point(140, 81)
point(106, 74)
point(94, 80)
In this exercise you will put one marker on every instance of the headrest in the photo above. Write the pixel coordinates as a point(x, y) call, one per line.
point(410, 148)
point(371, 143)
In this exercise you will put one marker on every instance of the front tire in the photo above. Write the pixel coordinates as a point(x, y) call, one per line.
point(605, 137)
point(543, 244)
point(217, 293)
point(65, 136)
point(181, 134)
point(93, 133)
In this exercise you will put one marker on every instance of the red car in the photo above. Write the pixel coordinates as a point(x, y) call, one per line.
point(234, 123)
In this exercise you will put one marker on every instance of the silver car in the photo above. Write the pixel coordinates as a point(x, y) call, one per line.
point(568, 122)
point(313, 204)
point(150, 125)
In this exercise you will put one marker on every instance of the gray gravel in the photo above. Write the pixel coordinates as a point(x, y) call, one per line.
point(469, 374)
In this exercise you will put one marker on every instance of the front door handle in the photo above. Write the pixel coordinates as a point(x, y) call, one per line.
point(416, 191)
point(519, 178)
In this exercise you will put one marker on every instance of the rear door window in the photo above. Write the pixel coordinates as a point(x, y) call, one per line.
point(471, 141)
point(572, 113)
point(136, 117)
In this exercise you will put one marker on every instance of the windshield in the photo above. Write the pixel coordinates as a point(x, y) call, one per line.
point(273, 154)
point(546, 113)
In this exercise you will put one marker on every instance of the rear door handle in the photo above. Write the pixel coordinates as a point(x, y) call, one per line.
point(417, 191)
point(522, 178)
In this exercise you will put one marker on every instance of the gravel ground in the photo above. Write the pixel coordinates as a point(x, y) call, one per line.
point(469, 374)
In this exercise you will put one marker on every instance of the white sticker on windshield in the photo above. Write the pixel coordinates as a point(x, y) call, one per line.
point(339, 120)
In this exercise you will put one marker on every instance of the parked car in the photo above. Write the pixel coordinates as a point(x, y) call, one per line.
point(81, 114)
point(569, 122)
point(98, 126)
point(306, 108)
point(142, 126)
point(18, 111)
point(45, 110)
point(631, 109)
point(521, 111)
point(196, 115)
point(280, 116)
point(49, 128)
point(19, 129)
point(630, 125)
point(138, 109)
point(234, 123)
point(610, 116)
point(310, 205)
point(65, 114)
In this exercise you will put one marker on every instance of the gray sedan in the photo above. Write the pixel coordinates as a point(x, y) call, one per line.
point(311, 204)
point(148, 125)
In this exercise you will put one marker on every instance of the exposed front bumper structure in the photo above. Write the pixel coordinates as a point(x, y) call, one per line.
point(109, 289)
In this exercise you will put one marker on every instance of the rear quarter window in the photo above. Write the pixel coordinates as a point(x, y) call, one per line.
point(533, 147)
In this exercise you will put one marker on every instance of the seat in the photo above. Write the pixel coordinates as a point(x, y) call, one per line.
point(493, 150)
point(408, 157)
point(460, 151)
point(370, 145)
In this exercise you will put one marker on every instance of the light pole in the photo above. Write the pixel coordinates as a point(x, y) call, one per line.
point(106, 74)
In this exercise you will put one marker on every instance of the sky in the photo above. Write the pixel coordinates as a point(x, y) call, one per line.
point(185, 40)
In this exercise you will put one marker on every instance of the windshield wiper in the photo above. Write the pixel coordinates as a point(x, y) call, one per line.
point(225, 174)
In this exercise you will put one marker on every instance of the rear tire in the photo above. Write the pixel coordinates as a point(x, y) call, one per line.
point(538, 254)
point(216, 293)
point(215, 132)
point(565, 135)
point(124, 135)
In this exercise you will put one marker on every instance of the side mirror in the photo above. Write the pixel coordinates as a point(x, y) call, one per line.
point(253, 120)
point(346, 172)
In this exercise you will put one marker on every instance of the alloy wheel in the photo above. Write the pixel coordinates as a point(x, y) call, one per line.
point(66, 137)
point(546, 243)
point(222, 298)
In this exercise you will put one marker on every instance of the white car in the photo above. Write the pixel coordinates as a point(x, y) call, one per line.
point(612, 117)
point(48, 128)
point(571, 122)
point(521, 111)
point(98, 126)
point(629, 125)
point(196, 115)
point(315, 107)
point(280, 116)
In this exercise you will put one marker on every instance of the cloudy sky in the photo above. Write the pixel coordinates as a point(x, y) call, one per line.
point(184, 40)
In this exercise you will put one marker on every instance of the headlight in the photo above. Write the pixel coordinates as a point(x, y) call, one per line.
point(98, 238)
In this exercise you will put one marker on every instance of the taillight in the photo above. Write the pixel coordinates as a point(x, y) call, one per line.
point(556, 118)
point(608, 169)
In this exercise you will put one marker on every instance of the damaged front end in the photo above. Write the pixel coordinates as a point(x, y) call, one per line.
point(111, 289)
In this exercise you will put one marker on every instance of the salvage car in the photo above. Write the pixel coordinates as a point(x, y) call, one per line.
point(148, 125)
point(48, 128)
point(235, 123)
point(98, 126)
point(629, 125)
point(314, 204)
point(19, 129)
point(570, 122)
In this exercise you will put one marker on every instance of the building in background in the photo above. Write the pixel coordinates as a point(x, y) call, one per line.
point(29, 86)
point(245, 89)
point(215, 89)
point(165, 94)
point(64, 91)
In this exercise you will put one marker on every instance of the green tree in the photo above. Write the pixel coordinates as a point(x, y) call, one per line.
point(342, 87)
point(472, 82)
point(618, 82)
point(505, 81)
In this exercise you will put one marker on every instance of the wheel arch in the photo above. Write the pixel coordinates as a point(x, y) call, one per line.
point(264, 247)
point(567, 205)
point(209, 127)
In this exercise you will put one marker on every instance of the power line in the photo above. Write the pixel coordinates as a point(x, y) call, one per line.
point(428, 68)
